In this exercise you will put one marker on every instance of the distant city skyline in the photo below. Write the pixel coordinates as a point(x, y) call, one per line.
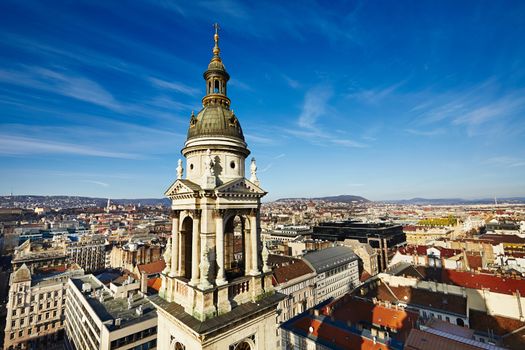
point(381, 100)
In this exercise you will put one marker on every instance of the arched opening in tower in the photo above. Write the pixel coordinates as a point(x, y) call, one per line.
point(234, 247)
point(216, 89)
point(186, 242)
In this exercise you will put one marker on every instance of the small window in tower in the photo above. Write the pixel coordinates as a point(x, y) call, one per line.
point(232, 164)
point(216, 89)
point(191, 166)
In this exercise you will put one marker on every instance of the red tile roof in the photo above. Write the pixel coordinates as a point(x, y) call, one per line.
point(448, 253)
point(295, 269)
point(475, 261)
point(504, 238)
point(155, 283)
point(504, 284)
point(422, 250)
point(500, 325)
point(335, 335)
point(152, 268)
point(421, 340)
point(353, 310)
point(496, 284)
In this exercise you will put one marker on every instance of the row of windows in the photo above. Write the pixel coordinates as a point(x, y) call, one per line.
point(36, 330)
point(26, 321)
point(37, 308)
point(132, 338)
point(77, 331)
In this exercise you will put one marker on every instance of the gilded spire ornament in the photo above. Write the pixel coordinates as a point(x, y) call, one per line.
point(216, 49)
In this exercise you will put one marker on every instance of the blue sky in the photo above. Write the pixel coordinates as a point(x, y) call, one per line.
point(382, 99)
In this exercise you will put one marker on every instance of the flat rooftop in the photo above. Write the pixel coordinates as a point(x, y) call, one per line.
point(108, 308)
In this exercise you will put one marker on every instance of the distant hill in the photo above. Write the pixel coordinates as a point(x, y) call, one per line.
point(456, 201)
point(74, 201)
point(344, 198)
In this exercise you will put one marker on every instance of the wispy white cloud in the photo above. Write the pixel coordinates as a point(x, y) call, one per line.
point(294, 84)
point(375, 95)
point(78, 174)
point(175, 86)
point(61, 83)
point(486, 112)
point(266, 168)
point(315, 105)
point(15, 145)
point(246, 19)
point(482, 109)
point(100, 183)
point(505, 161)
point(348, 143)
point(282, 155)
point(430, 132)
point(260, 139)
point(239, 84)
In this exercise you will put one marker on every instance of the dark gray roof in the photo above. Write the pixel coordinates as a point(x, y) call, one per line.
point(329, 258)
point(238, 314)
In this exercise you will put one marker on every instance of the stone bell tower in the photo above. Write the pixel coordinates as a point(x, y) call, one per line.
point(216, 289)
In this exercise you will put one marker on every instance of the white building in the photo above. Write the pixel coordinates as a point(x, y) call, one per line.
point(337, 271)
point(35, 309)
point(89, 252)
point(296, 280)
point(104, 318)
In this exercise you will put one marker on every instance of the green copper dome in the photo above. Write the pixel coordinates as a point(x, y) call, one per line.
point(215, 120)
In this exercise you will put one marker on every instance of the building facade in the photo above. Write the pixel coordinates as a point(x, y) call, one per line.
point(35, 308)
point(384, 238)
point(211, 297)
point(296, 280)
point(367, 255)
point(39, 255)
point(130, 254)
point(89, 252)
point(337, 272)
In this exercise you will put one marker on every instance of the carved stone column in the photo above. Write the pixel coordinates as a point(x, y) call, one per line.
point(179, 249)
point(195, 248)
point(219, 232)
point(174, 269)
point(253, 240)
point(205, 269)
point(247, 237)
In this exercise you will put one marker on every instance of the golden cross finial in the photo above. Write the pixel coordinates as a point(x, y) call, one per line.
point(216, 49)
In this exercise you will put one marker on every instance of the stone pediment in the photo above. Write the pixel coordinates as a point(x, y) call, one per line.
point(239, 187)
point(182, 186)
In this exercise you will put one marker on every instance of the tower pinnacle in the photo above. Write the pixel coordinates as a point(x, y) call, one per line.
point(216, 49)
